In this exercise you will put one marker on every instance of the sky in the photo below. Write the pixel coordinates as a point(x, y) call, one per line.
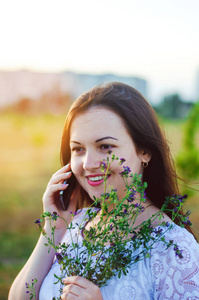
point(157, 40)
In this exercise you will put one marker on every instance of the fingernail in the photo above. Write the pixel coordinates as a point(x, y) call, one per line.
point(65, 184)
point(68, 173)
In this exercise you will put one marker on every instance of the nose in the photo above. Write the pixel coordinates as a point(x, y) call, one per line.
point(91, 161)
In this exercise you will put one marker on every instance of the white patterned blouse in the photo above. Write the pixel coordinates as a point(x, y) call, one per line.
point(162, 276)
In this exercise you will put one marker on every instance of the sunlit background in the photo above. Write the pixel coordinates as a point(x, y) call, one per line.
point(155, 40)
point(50, 52)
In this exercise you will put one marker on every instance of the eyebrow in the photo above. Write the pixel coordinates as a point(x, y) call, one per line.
point(98, 140)
point(106, 137)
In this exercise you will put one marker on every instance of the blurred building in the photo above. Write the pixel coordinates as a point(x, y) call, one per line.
point(77, 84)
point(16, 85)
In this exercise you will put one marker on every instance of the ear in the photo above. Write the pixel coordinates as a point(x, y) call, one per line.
point(145, 156)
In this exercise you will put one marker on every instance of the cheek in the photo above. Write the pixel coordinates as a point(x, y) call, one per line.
point(134, 164)
point(75, 166)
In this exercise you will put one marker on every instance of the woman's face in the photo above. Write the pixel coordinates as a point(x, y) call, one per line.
point(93, 133)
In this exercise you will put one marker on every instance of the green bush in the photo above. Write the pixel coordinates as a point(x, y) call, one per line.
point(188, 158)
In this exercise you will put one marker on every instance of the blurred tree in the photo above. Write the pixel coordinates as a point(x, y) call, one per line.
point(188, 158)
point(24, 105)
point(53, 102)
point(173, 107)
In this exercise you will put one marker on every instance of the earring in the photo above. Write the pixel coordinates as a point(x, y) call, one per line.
point(145, 164)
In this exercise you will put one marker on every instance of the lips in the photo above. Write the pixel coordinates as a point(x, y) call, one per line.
point(95, 180)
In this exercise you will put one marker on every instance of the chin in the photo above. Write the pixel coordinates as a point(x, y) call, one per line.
point(95, 194)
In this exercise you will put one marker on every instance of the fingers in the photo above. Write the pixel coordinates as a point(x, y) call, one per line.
point(69, 297)
point(77, 280)
point(57, 183)
point(53, 188)
point(57, 180)
point(78, 287)
point(63, 173)
point(64, 169)
point(60, 178)
point(71, 291)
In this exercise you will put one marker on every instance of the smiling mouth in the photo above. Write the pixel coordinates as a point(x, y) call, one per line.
point(96, 180)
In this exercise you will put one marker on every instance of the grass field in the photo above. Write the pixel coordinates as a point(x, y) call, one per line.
point(29, 155)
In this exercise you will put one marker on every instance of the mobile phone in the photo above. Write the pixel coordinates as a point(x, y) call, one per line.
point(61, 197)
point(66, 194)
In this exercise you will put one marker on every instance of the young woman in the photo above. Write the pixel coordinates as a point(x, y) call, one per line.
point(113, 117)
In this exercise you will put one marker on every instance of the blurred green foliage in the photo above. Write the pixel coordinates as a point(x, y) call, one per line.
point(173, 107)
point(188, 157)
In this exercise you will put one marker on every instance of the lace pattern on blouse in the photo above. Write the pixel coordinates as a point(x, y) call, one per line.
point(163, 276)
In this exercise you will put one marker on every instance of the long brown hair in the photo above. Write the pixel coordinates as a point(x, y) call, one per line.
point(142, 125)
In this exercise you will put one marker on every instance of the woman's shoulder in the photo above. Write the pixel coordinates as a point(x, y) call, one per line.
point(179, 247)
point(177, 235)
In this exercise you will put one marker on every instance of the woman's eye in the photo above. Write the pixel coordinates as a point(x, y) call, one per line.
point(106, 147)
point(77, 149)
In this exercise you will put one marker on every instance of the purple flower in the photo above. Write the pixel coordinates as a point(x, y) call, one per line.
point(125, 212)
point(103, 166)
point(144, 197)
point(187, 222)
point(38, 221)
point(131, 195)
point(59, 256)
point(158, 231)
point(105, 195)
point(54, 215)
point(121, 161)
point(178, 199)
point(185, 219)
point(137, 258)
point(133, 237)
point(140, 207)
point(178, 252)
point(182, 198)
point(187, 213)
point(73, 214)
point(126, 171)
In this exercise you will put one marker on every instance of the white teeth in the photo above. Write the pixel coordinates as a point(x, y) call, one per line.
point(97, 178)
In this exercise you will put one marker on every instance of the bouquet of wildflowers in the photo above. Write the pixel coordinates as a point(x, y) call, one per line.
point(115, 243)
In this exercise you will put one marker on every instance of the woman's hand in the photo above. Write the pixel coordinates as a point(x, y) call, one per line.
point(80, 288)
point(51, 197)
